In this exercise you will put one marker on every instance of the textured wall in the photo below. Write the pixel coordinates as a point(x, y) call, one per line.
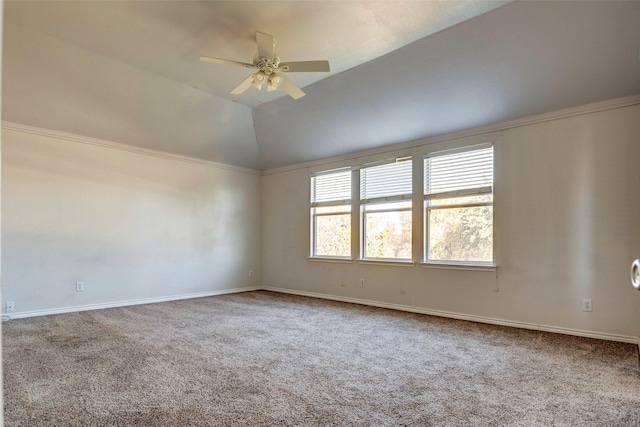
point(130, 225)
point(567, 223)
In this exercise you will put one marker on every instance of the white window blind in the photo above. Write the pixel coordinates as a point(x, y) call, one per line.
point(389, 181)
point(454, 173)
point(331, 188)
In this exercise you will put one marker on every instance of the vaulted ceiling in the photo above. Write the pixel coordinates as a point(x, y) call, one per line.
point(128, 72)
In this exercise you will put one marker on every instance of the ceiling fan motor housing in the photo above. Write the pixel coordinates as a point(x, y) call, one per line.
point(268, 65)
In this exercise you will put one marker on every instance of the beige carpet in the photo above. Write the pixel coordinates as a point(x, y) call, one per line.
point(266, 359)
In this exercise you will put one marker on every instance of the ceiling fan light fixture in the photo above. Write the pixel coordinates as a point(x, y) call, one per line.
point(275, 80)
point(258, 79)
point(266, 62)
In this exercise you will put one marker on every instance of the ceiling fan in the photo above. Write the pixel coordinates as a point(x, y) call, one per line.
point(270, 69)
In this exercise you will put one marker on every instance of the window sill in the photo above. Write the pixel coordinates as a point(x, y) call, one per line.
point(330, 259)
point(460, 266)
point(393, 262)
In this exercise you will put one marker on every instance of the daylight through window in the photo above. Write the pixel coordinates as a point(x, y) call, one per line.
point(457, 213)
point(331, 214)
point(458, 203)
point(385, 200)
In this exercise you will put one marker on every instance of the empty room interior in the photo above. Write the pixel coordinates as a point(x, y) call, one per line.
point(359, 213)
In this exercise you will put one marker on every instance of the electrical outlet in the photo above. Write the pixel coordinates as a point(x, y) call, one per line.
point(79, 286)
point(586, 305)
point(8, 306)
point(250, 273)
point(362, 282)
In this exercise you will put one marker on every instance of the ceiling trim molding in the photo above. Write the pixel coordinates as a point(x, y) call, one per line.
point(595, 107)
point(120, 146)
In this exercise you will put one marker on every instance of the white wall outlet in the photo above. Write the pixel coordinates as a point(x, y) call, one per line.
point(362, 282)
point(586, 305)
point(79, 286)
point(8, 306)
point(250, 273)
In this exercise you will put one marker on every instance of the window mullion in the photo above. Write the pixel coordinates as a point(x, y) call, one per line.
point(356, 236)
point(331, 203)
point(417, 242)
point(460, 205)
point(460, 193)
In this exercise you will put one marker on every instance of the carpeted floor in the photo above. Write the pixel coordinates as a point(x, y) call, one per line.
point(267, 359)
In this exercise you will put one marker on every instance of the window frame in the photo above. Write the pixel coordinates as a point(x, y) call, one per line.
point(314, 205)
point(465, 192)
point(364, 202)
point(419, 221)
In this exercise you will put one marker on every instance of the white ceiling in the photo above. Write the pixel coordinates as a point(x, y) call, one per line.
point(129, 71)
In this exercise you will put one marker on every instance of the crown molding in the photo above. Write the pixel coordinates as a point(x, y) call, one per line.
point(595, 107)
point(17, 127)
point(540, 118)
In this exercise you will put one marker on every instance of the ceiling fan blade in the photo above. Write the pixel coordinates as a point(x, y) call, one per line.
point(306, 66)
point(246, 84)
point(294, 91)
point(265, 45)
point(226, 62)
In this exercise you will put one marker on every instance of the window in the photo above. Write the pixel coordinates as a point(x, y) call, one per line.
point(331, 214)
point(458, 203)
point(457, 221)
point(385, 200)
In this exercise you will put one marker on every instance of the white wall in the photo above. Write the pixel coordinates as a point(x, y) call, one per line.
point(129, 225)
point(1, 300)
point(567, 223)
point(136, 226)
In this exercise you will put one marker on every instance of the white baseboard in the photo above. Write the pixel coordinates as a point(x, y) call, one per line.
point(126, 303)
point(461, 316)
point(448, 314)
